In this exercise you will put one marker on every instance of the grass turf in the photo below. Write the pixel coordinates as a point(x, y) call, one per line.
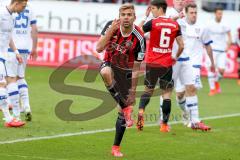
point(182, 143)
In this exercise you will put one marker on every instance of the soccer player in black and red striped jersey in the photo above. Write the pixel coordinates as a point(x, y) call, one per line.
point(159, 60)
point(124, 46)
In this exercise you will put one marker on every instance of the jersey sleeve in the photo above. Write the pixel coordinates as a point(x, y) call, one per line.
point(108, 24)
point(206, 38)
point(140, 50)
point(226, 29)
point(147, 26)
point(32, 16)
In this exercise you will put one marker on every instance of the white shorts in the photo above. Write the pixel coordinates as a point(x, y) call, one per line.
point(196, 74)
point(183, 72)
point(220, 59)
point(13, 68)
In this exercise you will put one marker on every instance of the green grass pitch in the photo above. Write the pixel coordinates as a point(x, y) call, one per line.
point(222, 143)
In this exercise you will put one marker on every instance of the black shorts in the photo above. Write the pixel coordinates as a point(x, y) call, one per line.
point(123, 78)
point(161, 74)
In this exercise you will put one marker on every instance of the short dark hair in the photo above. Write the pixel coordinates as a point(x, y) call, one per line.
point(218, 8)
point(190, 5)
point(160, 4)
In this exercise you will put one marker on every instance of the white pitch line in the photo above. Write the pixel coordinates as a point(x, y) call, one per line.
point(27, 157)
point(104, 130)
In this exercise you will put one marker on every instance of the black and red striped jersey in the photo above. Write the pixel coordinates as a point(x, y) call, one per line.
point(121, 50)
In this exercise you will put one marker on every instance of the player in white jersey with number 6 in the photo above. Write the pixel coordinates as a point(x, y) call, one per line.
point(25, 38)
point(6, 27)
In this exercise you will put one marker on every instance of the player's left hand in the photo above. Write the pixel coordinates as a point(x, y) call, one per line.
point(212, 68)
point(148, 11)
point(181, 15)
point(131, 97)
point(33, 55)
point(19, 58)
point(174, 60)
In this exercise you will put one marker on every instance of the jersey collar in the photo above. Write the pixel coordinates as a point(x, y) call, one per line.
point(8, 11)
point(128, 34)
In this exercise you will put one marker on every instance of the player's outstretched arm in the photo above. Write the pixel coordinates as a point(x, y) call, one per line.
point(34, 34)
point(104, 39)
point(210, 55)
point(229, 42)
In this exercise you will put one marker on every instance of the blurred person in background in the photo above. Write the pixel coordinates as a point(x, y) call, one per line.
point(222, 39)
point(238, 43)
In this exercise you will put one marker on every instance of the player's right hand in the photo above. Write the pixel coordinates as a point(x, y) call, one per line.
point(131, 98)
point(19, 58)
point(115, 25)
point(33, 55)
point(174, 59)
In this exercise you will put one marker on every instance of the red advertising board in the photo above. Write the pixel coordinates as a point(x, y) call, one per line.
point(54, 49)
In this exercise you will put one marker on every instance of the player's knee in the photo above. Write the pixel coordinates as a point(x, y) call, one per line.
point(20, 78)
point(11, 79)
point(105, 72)
point(3, 84)
point(148, 90)
point(221, 71)
point(191, 90)
point(180, 95)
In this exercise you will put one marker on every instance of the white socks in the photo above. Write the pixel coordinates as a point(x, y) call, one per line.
point(160, 109)
point(24, 96)
point(13, 95)
point(218, 77)
point(211, 80)
point(182, 103)
point(4, 105)
point(192, 106)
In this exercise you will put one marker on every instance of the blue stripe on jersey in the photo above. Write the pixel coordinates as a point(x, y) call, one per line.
point(208, 43)
point(22, 86)
point(197, 66)
point(33, 22)
point(21, 51)
point(13, 93)
point(216, 50)
point(3, 97)
point(2, 60)
point(183, 59)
